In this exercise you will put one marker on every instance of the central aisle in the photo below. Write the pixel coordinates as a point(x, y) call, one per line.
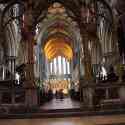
point(66, 103)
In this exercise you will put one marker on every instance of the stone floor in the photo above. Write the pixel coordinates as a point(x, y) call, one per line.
point(88, 120)
point(66, 103)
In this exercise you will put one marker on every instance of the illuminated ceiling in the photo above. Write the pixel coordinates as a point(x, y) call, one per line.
point(58, 42)
point(58, 46)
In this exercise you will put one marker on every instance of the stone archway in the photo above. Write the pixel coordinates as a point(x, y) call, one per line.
point(78, 14)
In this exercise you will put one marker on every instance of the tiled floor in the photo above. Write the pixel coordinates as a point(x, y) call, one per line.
point(65, 103)
point(93, 120)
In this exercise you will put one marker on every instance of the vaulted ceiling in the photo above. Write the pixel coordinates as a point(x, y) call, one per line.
point(72, 7)
point(58, 47)
point(39, 8)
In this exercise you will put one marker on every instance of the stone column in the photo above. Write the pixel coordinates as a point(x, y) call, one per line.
point(88, 70)
point(88, 91)
point(87, 59)
point(48, 67)
point(11, 60)
point(57, 64)
point(66, 69)
point(53, 72)
point(62, 66)
point(28, 31)
point(31, 92)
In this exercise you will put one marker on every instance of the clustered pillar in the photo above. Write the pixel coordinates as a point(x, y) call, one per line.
point(86, 93)
point(31, 92)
